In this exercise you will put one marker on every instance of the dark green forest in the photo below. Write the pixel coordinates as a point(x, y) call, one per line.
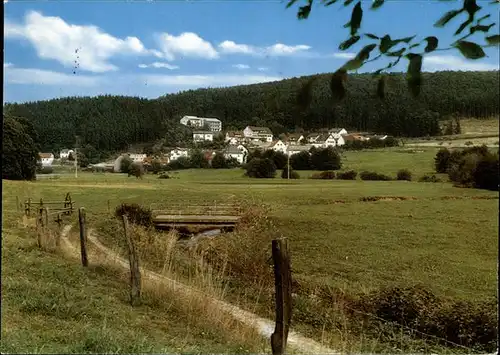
point(111, 123)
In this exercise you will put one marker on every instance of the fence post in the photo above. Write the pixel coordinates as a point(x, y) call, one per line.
point(83, 236)
point(58, 236)
point(135, 275)
point(41, 204)
point(283, 287)
point(17, 203)
point(46, 210)
point(28, 211)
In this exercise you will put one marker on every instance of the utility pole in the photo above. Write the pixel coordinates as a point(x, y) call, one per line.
point(288, 165)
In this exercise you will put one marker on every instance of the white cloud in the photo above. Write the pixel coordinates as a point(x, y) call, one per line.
point(262, 69)
point(7, 65)
point(159, 65)
point(241, 66)
point(278, 49)
point(87, 47)
point(207, 80)
point(450, 62)
point(187, 44)
point(345, 55)
point(30, 76)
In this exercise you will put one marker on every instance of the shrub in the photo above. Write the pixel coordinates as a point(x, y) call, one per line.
point(293, 173)
point(326, 159)
point(441, 160)
point(219, 161)
point(347, 175)
point(430, 178)
point(324, 175)
point(135, 213)
point(301, 161)
point(45, 170)
point(404, 174)
point(232, 163)
point(486, 173)
point(279, 159)
point(371, 175)
point(125, 164)
point(179, 164)
point(136, 169)
point(197, 160)
point(163, 176)
point(261, 168)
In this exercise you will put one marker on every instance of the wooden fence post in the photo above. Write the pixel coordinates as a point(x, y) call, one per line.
point(283, 287)
point(46, 210)
point(58, 236)
point(83, 236)
point(135, 275)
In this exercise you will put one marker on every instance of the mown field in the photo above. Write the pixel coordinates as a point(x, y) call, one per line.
point(434, 234)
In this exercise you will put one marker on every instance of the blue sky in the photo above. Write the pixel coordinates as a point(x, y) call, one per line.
point(149, 48)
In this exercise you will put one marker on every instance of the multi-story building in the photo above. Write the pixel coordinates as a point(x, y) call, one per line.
point(211, 124)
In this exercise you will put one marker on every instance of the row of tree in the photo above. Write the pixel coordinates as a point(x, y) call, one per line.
point(111, 123)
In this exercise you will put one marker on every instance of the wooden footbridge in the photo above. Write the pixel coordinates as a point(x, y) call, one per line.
point(202, 216)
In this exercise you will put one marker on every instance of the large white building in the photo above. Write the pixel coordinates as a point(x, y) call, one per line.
point(202, 136)
point(258, 133)
point(212, 124)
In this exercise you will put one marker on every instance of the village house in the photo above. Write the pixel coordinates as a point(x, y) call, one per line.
point(278, 146)
point(137, 157)
point(202, 136)
point(295, 149)
point(338, 131)
point(294, 138)
point(64, 153)
point(258, 133)
point(239, 153)
point(46, 158)
point(234, 137)
point(177, 153)
point(312, 137)
point(212, 124)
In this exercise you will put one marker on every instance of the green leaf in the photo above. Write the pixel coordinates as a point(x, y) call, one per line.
point(464, 25)
point(353, 64)
point(481, 28)
point(387, 43)
point(347, 24)
point(447, 17)
point(381, 87)
point(483, 18)
point(304, 96)
point(377, 3)
point(291, 3)
point(432, 44)
point(372, 36)
point(414, 45)
point(364, 53)
point(349, 42)
point(331, 2)
point(493, 40)
point(470, 50)
point(304, 11)
point(337, 84)
point(356, 17)
point(348, 2)
point(471, 7)
point(414, 73)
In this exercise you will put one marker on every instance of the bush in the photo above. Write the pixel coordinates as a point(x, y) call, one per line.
point(293, 173)
point(430, 178)
point(124, 164)
point(301, 161)
point(324, 175)
point(326, 159)
point(232, 163)
point(371, 175)
point(347, 175)
point(486, 173)
point(261, 168)
point(136, 169)
point(219, 161)
point(45, 170)
point(441, 161)
point(404, 174)
point(135, 213)
point(179, 164)
point(163, 176)
point(279, 159)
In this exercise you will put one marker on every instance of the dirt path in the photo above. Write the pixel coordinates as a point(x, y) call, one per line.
point(265, 327)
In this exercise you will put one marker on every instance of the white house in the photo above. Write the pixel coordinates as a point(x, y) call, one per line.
point(294, 138)
point(258, 133)
point(202, 136)
point(278, 146)
point(137, 158)
point(177, 153)
point(46, 158)
point(213, 124)
point(339, 131)
point(295, 149)
point(233, 151)
point(312, 137)
point(64, 154)
point(325, 140)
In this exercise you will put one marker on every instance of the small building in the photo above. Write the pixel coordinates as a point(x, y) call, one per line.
point(233, 151)
point(46, 158)
point(278, 146)
point(65, 153)
point(211, 124)
point(294, 138)
point(137, 157)
point(325, 140)
point(177, 153)
point(234, 137)
point(295, 149)
point(312, 137)
point(203, 136)
point(338, 131)
point(258, 133)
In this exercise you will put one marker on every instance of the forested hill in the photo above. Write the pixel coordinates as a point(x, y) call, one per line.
point(109, 123)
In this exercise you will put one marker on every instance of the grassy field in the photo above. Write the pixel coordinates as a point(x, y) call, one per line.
point(437, 235)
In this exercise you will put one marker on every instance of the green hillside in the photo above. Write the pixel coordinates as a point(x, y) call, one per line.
point(110, 123)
